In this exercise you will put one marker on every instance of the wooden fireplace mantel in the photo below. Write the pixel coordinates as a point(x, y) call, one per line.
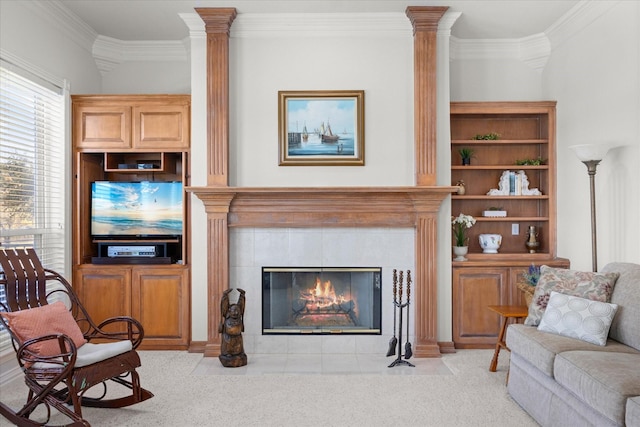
point(309, 207)
point(322, 206)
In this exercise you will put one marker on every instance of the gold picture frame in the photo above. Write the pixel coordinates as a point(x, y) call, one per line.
point(321, 128)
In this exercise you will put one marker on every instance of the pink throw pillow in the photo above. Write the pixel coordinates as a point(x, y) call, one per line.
point(50, 319)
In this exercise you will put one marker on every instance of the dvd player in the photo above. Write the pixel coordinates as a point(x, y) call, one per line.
point(131, 251)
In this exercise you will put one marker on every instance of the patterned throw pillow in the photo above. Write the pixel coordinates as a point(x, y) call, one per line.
point(584, 284)
point(579, 318)
point(50, 319)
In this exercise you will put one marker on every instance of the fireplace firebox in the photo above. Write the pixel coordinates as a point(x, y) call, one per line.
point(321, 300)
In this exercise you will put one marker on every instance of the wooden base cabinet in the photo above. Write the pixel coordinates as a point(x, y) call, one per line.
point(156, 295)
point(477, 285)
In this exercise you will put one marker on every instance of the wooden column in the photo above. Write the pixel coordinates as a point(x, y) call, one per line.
point(425, 26)
point(217, 24)
point(217, 208)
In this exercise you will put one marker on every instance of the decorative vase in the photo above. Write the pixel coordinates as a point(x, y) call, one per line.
point(532, 242)
point(460, 252)
point(461, 188)
point(490, 243)
point(466, 161)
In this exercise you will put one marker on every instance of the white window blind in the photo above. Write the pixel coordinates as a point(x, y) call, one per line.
point(32, 167)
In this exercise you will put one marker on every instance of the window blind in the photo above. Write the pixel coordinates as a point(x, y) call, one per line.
point(32, 167)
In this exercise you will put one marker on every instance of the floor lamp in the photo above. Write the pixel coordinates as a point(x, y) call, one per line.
point(591, 155)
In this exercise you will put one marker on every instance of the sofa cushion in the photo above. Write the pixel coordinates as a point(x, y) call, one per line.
point(633, 411)
point(578, 318)
point(584, 284)
point(626, 325)
point(602, 380)
point(540, 348)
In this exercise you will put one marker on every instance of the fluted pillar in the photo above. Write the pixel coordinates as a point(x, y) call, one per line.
point(425, 26)
point(217, 24)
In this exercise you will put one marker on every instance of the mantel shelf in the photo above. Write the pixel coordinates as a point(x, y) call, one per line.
point(322, 206)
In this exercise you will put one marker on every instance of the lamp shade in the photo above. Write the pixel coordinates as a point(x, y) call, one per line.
point(586, 152)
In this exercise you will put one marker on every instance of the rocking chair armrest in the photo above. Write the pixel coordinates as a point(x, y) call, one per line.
point(134, 332)
point(66, 357)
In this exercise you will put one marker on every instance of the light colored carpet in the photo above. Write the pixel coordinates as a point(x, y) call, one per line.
point(455, 390)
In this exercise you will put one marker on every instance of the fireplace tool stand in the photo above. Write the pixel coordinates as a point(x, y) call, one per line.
point(397, 303)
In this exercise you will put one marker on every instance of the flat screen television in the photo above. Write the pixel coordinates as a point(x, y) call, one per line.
point(136, 209)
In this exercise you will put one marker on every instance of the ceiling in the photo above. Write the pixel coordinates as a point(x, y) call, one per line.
point(159, 20)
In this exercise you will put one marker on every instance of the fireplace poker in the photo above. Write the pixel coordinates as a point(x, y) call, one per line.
point(398, 303)
point(408, 352)
point(393, 342)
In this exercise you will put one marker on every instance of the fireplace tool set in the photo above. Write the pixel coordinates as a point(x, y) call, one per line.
point(395, 344)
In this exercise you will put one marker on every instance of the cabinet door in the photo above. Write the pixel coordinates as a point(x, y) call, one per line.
point(102, 127)
point(161, 127)
point(474, 325)
point(105, 292)
point(161, 304)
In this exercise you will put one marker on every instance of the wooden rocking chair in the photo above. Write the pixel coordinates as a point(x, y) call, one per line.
point(63, 364)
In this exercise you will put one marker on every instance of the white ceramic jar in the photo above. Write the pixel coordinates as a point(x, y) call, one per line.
point(490, 243)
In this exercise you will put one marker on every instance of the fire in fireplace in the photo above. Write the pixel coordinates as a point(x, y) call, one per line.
point(321, 300)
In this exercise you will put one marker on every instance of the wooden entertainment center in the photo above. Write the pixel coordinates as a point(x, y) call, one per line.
point(133, 138)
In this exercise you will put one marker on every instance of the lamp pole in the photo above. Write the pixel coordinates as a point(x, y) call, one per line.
point(591, 169)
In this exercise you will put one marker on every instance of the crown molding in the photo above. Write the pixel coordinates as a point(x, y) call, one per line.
point(66, 21)
point(195, 24)
point(583, 14)
point(316, 25)
point(533, 50)
point(536, 49)
point(446, 22)
point(109, 52)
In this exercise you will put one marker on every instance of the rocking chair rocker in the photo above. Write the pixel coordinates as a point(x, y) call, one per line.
point(54, 339)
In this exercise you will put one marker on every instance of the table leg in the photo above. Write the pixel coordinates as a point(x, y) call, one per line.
point(499, 344)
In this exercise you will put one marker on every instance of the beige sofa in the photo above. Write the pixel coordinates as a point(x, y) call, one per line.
point(563, 381)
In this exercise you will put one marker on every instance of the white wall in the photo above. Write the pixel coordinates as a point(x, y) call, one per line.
point(494, 79)
point(28, 31)
point(594, 74)
point(261, 65)
point(148, 77)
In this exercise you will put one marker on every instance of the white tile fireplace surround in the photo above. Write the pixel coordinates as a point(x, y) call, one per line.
point(250, 249)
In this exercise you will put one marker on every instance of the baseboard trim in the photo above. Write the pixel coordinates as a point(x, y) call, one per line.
point(447, 347)
point(196, 346)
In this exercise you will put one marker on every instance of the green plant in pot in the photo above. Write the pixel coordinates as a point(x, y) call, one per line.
point(466, 153)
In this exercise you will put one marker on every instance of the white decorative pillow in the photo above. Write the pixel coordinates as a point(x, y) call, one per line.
point(576, 317)
point(584, 284)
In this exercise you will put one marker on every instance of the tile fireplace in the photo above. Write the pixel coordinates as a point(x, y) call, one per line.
point(321, 300)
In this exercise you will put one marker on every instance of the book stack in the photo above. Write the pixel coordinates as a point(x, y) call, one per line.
point(515, 183)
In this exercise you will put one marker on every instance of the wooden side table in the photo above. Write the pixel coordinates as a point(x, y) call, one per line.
point(506, 312)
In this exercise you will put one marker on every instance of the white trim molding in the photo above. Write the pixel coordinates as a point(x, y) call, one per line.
point(68, 22)
point(330, 25)
point(576, 19)
point(109, 52)
point(533, 50)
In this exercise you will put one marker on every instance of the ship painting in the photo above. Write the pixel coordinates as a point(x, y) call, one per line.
point(327, 135)
point(321, 127)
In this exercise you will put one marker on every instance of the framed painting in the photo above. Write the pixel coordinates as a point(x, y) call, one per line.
point(321, 128)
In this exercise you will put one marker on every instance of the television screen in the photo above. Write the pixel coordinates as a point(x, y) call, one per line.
point(152, 209)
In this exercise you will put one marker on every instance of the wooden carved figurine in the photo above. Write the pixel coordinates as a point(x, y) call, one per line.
point(231, 326)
